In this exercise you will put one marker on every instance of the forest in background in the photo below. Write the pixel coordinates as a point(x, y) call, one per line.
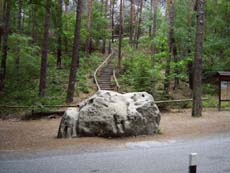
point(47, 45)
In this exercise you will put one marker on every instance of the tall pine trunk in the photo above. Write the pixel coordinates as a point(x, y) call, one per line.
point(188, 51)
point(176, 70)
point(1, 22)
point(170, 46)
point(104, 12)
point(132, 14)
point(153, 46)
point(89, 18)
point(75, 56)
point(139, 22)
point(66, 43)
point(59, 34)
point(151, 17)
point(42, 85)
point(197, 79)
point(110, 23)
point(120, 35)
point(154, 30)
point(112, 18)
point(4, 43)
point(19, 32)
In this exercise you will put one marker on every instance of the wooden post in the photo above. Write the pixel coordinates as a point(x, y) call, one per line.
point(219, 105)
point(192, 162)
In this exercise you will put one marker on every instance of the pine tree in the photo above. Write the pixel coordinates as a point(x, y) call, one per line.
point(154, 29)
point(59, 33)
point(19, 32)
point(131, 23)
point(197, 71)
point(89, 21)
point(5, 43)
point(139, 22)
point(75, 56)
point(120, 34)
point(43, 70)
point(171, 42)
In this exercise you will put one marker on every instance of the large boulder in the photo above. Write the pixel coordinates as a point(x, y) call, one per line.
point(111, 114)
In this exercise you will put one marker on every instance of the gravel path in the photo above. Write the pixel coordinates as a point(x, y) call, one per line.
point(41, 134)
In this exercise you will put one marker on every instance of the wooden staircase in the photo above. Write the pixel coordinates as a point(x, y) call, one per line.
point(105, 77)
point(104, 74)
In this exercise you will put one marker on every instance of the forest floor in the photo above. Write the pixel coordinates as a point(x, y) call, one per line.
point(17, 135)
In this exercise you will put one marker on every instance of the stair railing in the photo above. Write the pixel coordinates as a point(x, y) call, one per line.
point(115, 77)
point(116, 81)
point(99, 68)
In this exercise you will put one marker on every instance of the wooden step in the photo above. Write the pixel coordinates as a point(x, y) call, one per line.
point(104, 80)
point(105, 76)
point(105, 83)
point(110, 89)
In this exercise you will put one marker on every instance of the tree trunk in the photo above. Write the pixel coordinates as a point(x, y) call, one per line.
point(42, 85)
point(19, 32)
point(154, 30)
point(176, 78)
point(59, 34)
point(197, 79)
point(105, 14)
point(151, 18)
point(89, 18)
point(75, 56)
point(5, 44)
point(110, 24)
point(123, 17)
point(171, 43)
point(190, 25)
point(102, 13)
point(66, 27)
point(120, 35)
point(112, 18)
point(139, 22)
point(190, 74)
point(1, 22)
point(135, 29)
point(132, 14)
point(153, 46)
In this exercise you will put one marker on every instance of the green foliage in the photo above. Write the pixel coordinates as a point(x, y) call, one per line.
point(212, 101)
point(181, 67)
point(139, 75)
point(209, 89)
point(21, 88)
point(99, 24)
point(87, 67)
point(20, 46)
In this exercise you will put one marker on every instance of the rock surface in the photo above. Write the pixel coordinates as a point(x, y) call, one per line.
point(111, 114)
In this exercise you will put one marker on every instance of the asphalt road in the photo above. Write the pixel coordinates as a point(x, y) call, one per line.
point(139, 157)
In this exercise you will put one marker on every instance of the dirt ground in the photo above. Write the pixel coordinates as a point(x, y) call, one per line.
point(41, 134)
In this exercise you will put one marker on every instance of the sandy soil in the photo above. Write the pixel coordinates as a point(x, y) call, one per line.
point(41, 134)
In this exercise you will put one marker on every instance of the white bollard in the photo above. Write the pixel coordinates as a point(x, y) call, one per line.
point(192, 162)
